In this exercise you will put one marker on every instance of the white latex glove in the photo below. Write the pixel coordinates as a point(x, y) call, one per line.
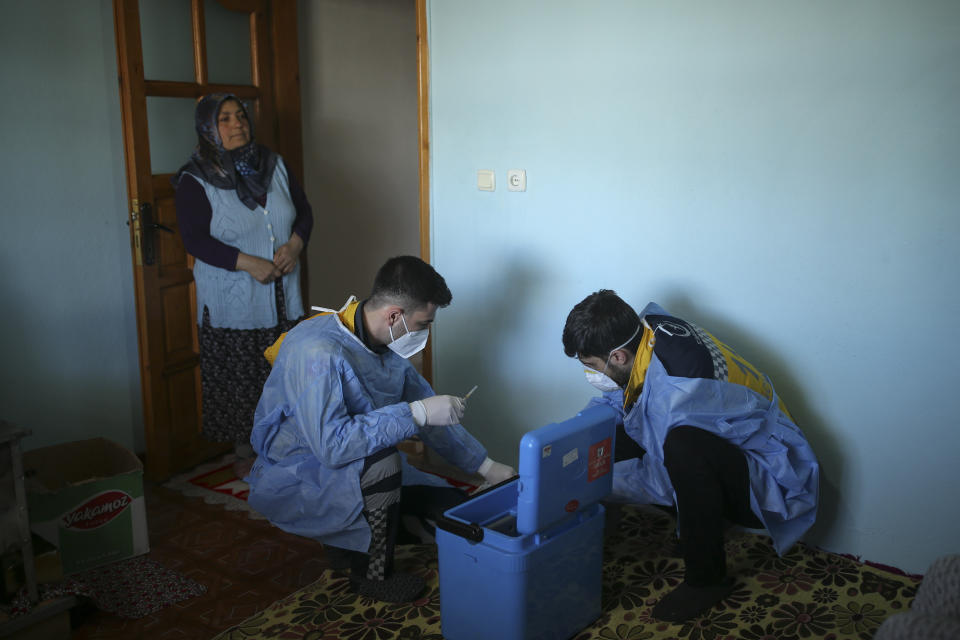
point(438, 410)
point(495, 472)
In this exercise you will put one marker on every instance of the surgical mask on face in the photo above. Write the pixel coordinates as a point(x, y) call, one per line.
point(410, 343)
point(600, 379)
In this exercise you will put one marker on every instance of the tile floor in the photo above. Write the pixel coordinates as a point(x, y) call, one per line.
point(245, 564)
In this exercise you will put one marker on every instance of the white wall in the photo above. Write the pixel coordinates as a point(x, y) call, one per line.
point(784, 174)
point(68, 327)
point(358, 76)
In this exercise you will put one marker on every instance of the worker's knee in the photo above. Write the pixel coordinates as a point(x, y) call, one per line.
point(685, 446)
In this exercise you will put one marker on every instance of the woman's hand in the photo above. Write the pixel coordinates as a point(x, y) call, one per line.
point(286, 256)
point(263, 271)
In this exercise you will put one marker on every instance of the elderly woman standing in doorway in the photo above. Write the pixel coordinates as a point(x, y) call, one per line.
point(245, 220)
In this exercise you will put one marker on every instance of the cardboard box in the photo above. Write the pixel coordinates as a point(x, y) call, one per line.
point(86, 498)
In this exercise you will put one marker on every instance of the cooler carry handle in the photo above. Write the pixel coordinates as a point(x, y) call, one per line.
point(472, 532)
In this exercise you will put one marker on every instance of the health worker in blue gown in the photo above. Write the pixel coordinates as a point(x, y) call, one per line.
point(702, 431)
point(342, 394)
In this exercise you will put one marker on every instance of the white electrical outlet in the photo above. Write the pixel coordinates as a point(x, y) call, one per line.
point(516, 180)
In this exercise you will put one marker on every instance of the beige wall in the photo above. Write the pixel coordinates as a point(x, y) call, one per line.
point(359, 86)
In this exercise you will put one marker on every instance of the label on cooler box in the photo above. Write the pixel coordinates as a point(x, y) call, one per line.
point(598, 462)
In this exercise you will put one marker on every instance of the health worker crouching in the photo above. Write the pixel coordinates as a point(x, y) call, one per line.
point(245, 220)
point(702, 430)
point(341, 396)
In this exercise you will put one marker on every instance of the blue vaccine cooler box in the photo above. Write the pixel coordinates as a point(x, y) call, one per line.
point(525, 559)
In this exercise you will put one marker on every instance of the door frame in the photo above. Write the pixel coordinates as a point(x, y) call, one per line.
point(423, 154)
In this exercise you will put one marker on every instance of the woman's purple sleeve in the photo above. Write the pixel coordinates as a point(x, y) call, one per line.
point(193, 217)
point(303, 223)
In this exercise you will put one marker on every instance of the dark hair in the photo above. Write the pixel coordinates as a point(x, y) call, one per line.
point(600, 322)
point(409, 282)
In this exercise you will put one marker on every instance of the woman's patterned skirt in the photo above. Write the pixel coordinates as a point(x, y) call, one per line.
point(233, 371)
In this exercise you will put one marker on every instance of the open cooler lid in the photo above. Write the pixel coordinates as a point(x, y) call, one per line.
point(565, 467)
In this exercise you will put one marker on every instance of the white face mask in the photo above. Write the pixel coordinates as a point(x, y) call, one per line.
point(600, 379)
point(410, 343)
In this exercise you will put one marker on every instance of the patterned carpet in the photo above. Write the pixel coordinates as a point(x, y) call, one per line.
point(131, 588)
point(244, 564)
point(806, 594)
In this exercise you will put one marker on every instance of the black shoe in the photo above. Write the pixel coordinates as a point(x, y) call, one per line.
point(687, 602)
point(398, 587)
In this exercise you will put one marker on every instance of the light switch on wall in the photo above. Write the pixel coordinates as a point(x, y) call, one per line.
point(486, 180)
point(516, 180)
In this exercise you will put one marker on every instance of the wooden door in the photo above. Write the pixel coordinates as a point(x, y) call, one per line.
point(157, 111)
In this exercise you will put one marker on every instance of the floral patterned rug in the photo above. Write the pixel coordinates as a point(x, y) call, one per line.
point(806, 594)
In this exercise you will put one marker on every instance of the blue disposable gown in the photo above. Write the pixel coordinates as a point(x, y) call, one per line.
point(328, 403)
point(784, 473)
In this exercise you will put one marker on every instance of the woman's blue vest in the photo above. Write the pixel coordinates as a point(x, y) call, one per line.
point(234, 298)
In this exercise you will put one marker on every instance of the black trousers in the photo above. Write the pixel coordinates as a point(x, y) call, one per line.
point(417, 500)
point(712, 483)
